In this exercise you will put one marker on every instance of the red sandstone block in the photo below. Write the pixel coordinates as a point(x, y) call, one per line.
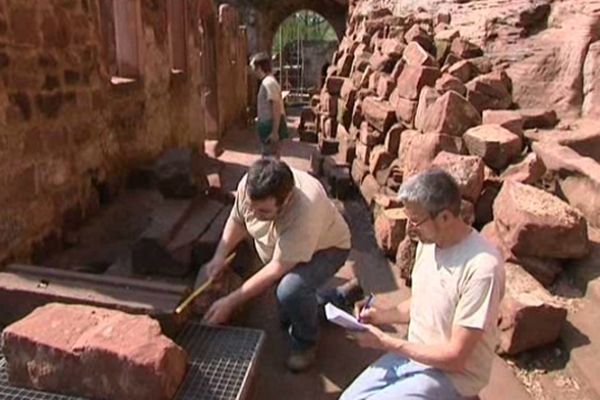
point(466, 170)
point(414, 78)
point(496, 145)
point(405, 109)
point(535, 223)
point(448, 82)
point(380, 114)
point(334, 84)
point(451, 114)
point(93, 352)
point(415, 54)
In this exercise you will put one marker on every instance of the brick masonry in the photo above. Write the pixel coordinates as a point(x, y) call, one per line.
point(68, 135)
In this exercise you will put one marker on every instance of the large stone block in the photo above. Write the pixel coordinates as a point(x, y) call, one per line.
point(423, 149)
point(392, 139)
point(451, 114)
point(380, 114)
point(462, 48)
point(488, 93)
point(534, 223)
point(390, 229)
point(544, 270)
point(529, 317)
point(466, 170)
point(427, 97)
point(379, 159)
point(405, 142)
point(463, 70)
point(416, 55)
point(405, 109)
point(578, 178)
point(392, 47)
point(369, 136)
point(529, 171)
point(448, 82)
point(414, 78)
point(497, 146)
point(380, 62)
point(508, 119)
point(358, 171)
point(583, 136)
point(93, 352)
point(369, 188)
point(334, 84)
point(179, 173)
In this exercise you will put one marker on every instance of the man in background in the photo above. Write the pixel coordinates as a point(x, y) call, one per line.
point(271, 123)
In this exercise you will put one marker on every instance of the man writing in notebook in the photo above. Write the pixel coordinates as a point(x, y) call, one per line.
point(458, 282)
point(301, 238)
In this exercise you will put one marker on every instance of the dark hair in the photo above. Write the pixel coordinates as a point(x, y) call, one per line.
point(435, 190)
point(264, 65)
point(263, 61)
point(269, 177)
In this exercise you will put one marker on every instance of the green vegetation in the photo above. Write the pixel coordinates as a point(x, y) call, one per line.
point(306, 25)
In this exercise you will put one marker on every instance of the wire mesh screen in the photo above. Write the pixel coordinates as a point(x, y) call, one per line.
point(221, 361)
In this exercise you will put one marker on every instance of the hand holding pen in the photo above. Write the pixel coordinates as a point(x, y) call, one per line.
point(366, 310)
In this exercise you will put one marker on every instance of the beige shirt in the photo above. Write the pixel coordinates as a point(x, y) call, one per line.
point(458, 286)
point(269, 92)
point(308, 223)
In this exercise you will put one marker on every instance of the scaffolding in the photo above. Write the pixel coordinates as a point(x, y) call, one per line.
point(290, 56)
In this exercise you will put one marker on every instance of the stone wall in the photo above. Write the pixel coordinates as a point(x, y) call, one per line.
point(68, 133)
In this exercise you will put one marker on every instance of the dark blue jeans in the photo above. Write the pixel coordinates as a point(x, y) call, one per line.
point(297, 295)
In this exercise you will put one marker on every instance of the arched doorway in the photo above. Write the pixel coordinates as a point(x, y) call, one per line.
point(303, 43)
point(207, 27)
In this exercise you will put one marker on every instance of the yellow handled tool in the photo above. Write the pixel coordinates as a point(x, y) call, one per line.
point(188, 300)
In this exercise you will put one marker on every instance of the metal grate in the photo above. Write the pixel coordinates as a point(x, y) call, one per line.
point(221, 361)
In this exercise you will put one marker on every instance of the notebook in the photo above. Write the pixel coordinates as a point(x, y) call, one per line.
point(342, 318)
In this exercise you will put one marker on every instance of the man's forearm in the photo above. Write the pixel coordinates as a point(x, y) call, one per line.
point(233, 234)
point(441, 356)
point(260, 281)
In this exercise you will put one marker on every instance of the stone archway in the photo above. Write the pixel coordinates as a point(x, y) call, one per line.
point(334, 13)
point(207, 27)
point(263, 17)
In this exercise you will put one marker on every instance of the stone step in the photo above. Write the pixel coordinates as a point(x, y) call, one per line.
point(503, 384)
point(581, 338)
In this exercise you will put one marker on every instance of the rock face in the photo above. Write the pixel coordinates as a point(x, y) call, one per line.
point(93, 352)
point(534, 223)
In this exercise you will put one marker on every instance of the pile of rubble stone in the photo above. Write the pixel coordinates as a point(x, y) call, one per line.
point(405, 93)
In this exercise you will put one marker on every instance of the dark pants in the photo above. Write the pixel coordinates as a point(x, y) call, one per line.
point(297, 295)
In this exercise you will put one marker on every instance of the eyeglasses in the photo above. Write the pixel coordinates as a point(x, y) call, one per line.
point(417, 224)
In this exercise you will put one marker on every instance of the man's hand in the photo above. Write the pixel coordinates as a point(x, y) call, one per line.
point(221, 310)
point(373, 338)
point(215, 267)
point(374, 315)
point(371, 315)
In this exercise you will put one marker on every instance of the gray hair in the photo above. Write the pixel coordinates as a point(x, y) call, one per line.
point(435, 190)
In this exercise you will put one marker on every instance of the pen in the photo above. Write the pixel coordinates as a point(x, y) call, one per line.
point(367, 305)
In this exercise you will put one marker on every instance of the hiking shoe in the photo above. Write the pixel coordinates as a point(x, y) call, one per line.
point(301, 360)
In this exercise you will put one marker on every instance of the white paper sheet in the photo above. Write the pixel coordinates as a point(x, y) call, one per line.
point(342, 318)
